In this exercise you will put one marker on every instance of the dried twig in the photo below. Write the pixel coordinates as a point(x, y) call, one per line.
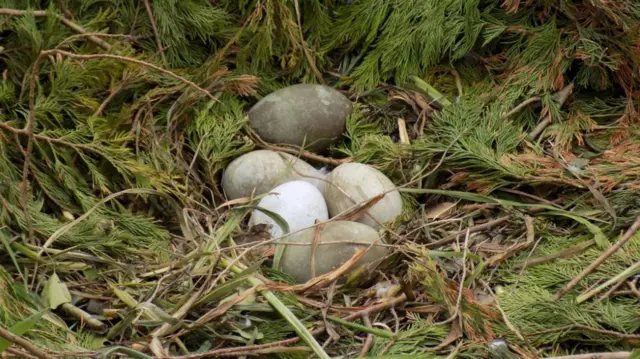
point(563, 96)
point(302, 153)
point(473, 229)
point(154, 27)
point(312, 63)
point(528, 221)
point(25, 343)
point(611, 291)
point(620, 277)
point(83, 316)
point(18, 354)
point(131, 60)
point(520, 107)
point(245, 350)
point(504, 314)
point(28, 128)
point(369, 340)
point(68, 23)
point(561, 254)
point(634, 287)
point(378, 307)
point(57, 141)
point(402, 130)
point(617, 355)
point(587, 328)
point(608, 253)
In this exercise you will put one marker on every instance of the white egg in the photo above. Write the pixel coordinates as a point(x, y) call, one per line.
point(259, 171)
point(299, 203)
point(354, 183)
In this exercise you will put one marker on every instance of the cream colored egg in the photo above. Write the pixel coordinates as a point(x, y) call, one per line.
point(299, 203)
point(354, 183)
point(338, 242)
point(259, 171)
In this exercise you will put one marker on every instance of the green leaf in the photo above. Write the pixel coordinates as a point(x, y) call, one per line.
point(124, 350)
point(12, 254)
point(21, 328)
point(278, 305)
point(431, 92)
point(55, 292)
point(599, 236)
point(285, 230)
point(223, 290)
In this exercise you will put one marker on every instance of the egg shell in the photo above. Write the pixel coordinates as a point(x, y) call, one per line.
point(263, 170)
point(299, 203)
point(354, 183)
point(304, 114)
point(296, 259)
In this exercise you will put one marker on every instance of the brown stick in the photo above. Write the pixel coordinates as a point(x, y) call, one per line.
point(306, 154)
point(56, 141)
point(563, 96)
point(249, 348)
point(561, 254)
point(618, 355)
point(155, 31)
point(378, 307)
point(68, 23)
point(473, 229)
point(135, 61)
point(84, 317)
point(28, 128)
point(230, 352)
point(584, 327)
point(520, 107)
point(307, 54)
point(625, 238)
point(18, 354)
point(27, 344)
point(369, 340)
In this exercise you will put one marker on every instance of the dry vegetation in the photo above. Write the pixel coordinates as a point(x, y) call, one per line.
point(511, 128)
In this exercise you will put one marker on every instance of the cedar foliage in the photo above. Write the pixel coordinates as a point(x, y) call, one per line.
point(106, 125)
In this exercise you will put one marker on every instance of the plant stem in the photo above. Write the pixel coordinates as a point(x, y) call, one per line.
point(622, 276)
point(608, 253)
point(617, 355)
point(378, 332)
point(154, 27)
point(68, 23)
point(28, 345)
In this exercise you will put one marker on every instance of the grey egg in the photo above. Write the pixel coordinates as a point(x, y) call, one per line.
point(259, 171)
point(304, 114)
point(355, 183)
point(338, 238)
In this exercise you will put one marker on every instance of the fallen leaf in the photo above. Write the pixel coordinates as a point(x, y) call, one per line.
point(55, 292)
point(441, 210)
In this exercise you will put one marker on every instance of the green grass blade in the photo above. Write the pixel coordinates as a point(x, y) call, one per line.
point(128, 351)
point(300, 329)
point(277, 257)
point(20, 328)
point(12, 255)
